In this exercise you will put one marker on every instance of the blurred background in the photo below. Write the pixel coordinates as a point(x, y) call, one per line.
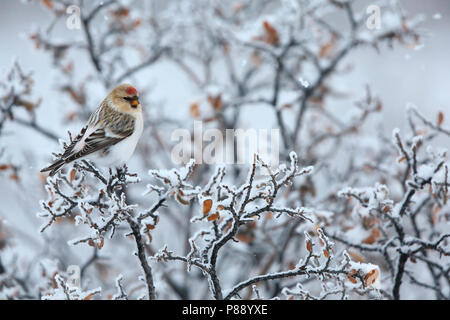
point(396, 75)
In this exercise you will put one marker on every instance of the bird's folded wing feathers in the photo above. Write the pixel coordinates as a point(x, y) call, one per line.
point(95, 136)
point(99, 139)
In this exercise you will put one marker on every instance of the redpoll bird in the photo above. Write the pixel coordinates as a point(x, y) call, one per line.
point(111, 134)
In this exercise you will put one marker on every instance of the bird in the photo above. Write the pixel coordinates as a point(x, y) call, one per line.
point(111, 134)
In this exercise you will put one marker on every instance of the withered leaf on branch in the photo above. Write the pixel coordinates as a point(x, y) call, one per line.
point(213, 216)
point(215, 102)
point(271, 34)
point(72, 174)
point(372, 238)
point(371, 277)
point(440, 119)
point(48, 4)
point(194, 110)
point(207, 204)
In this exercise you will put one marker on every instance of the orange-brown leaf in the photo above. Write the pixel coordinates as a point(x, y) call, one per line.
point(78, 97)
point(72, 174)
point(48, 4)
point(327, 49)
point(271, 34)
point(207, 204)
point(100, 245)
point(194, 110)
point(121, 12)
point(4, 166)
point(308, 246)
point(89, 296)
point(214, 216)
point(351, 273)
point(137, 23)
point(326, 253)
point(379, 106)
point(245, 237)
point(374, 235)
point(440, 118)
point(55, 284)
point(182, 200)
point(215, 102)
point(71, 116)
point(371, 277)
point(356, 256)
point(26, 104)
point(352, 280)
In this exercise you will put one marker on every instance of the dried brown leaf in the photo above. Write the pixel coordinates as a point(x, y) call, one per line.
point(271, 36)
point(194, 110)
point(308, 246)
point(440, 119)
point(207, 204)
point(214, 216)
point(48, 4)
point(356, 256)
point(371, 277)
point(72, 174)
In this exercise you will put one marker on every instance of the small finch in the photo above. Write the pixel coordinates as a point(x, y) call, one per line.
point(111, 133)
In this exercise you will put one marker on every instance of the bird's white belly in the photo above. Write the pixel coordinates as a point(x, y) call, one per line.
point(121, 152)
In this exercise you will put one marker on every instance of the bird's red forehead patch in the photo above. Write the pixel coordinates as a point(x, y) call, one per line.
point(131, 90)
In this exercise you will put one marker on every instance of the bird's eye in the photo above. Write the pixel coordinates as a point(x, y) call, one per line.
point(134, 101)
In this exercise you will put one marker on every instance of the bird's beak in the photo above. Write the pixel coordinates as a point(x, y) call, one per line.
point(134, 102)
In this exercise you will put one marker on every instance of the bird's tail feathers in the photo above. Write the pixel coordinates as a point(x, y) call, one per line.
point(54, 167)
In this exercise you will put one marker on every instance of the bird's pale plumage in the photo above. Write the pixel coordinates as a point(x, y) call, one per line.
point(111, 133)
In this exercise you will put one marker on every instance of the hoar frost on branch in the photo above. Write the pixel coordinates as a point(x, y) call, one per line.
point(226, 208)
point(370, 221)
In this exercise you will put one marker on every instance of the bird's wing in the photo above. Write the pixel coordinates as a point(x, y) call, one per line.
point(90, 140)
point(98, 139)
